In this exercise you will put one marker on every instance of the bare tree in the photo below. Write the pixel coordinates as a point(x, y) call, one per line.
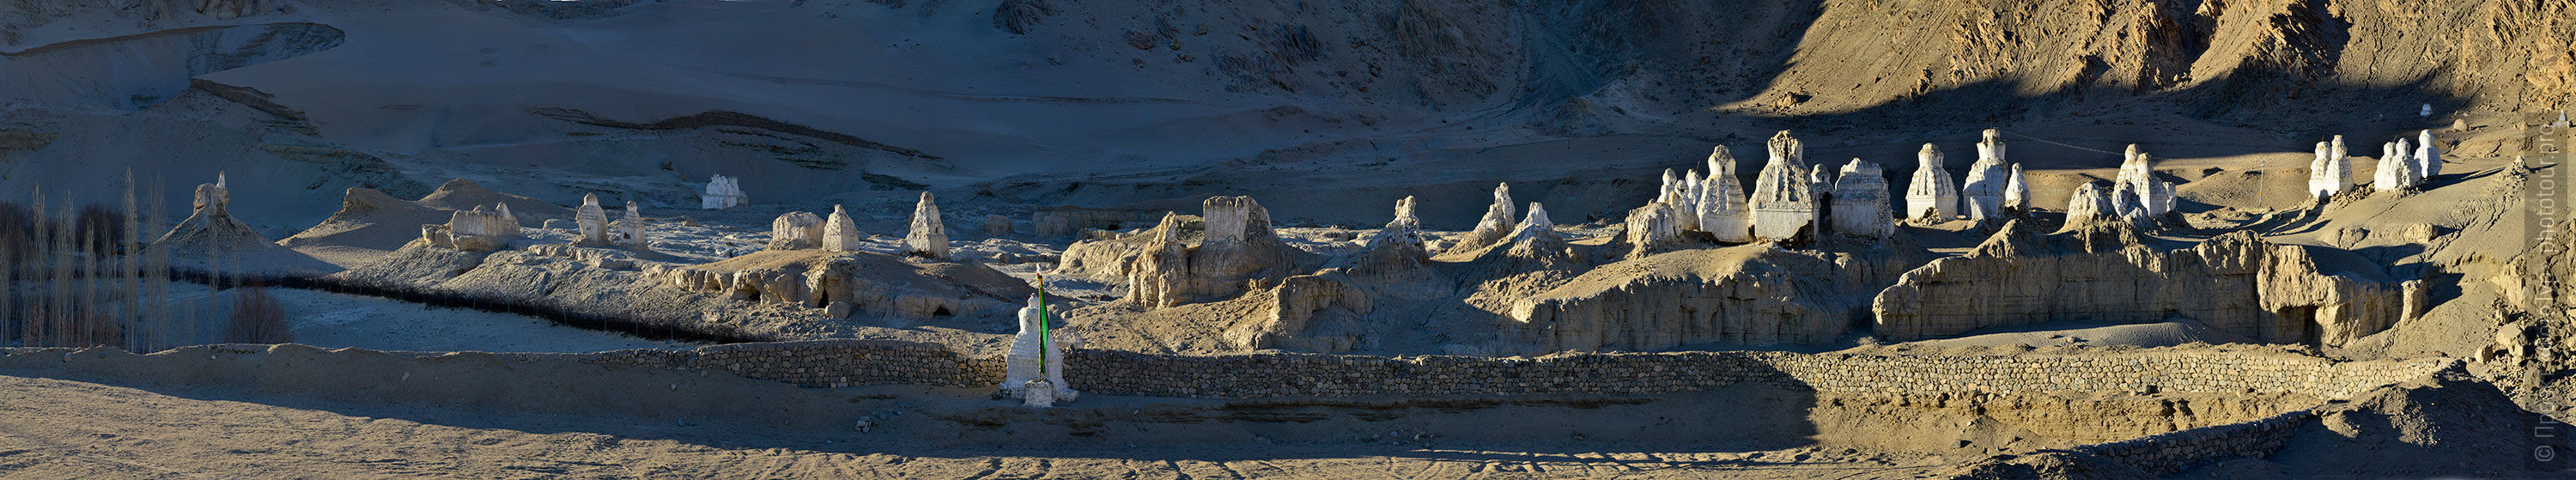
point(256, 318)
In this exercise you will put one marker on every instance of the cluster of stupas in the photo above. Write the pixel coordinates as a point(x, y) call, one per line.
point(723, 192)
point(2403, 166)
point(839, 233)
point(1791, 199)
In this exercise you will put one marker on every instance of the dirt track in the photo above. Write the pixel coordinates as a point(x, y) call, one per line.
point(51, 428)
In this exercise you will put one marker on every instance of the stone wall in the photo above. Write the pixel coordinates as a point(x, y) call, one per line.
point(2172, 452)
point(835, 363)
point(839, 363)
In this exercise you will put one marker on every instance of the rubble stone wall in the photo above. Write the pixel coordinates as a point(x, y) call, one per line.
point(2173, 452)
point(836, 363)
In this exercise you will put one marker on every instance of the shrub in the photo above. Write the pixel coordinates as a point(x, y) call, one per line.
point(256, 318)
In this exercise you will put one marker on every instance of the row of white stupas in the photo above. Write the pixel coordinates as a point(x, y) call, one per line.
point(1790, 198)
point(2402, 166)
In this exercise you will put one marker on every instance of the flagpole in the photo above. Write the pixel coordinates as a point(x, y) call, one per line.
point(1043, 346)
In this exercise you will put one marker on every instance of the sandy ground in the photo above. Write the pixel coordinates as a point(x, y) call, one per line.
point(53, 428)
point(297, 412)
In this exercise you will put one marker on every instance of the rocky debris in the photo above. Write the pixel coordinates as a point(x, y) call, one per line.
point(1860, 202)
point(796, 231)
point(1239, 247)
point(723, 192)
point(1496, 224)
point(1982, 197)
point(996, 226)
point(2330, 173)
point(2428, 158)
point(1722, 208)
point(1784, 203)
point(593, 222)
point(631, 231)
point(2235, 283)
point(840, 234)
point(1750, 295)
point(1931, 196)
point(927, 237)
point(2397, 170)
point(2016, 192)
point(2138, 176)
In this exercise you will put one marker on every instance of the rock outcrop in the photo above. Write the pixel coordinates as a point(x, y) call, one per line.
point(1931, 196)
point(591, 221)
point(1239, 247)
point(1860, 202)
point(2235, 283)
point(1722, 208)
point(1496, 224)
point(796, 231)
point(1743, 295)
point(1784, 203)
point(927, 237)
point(840, 233)
point(723, 192)
point(1982, 197)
